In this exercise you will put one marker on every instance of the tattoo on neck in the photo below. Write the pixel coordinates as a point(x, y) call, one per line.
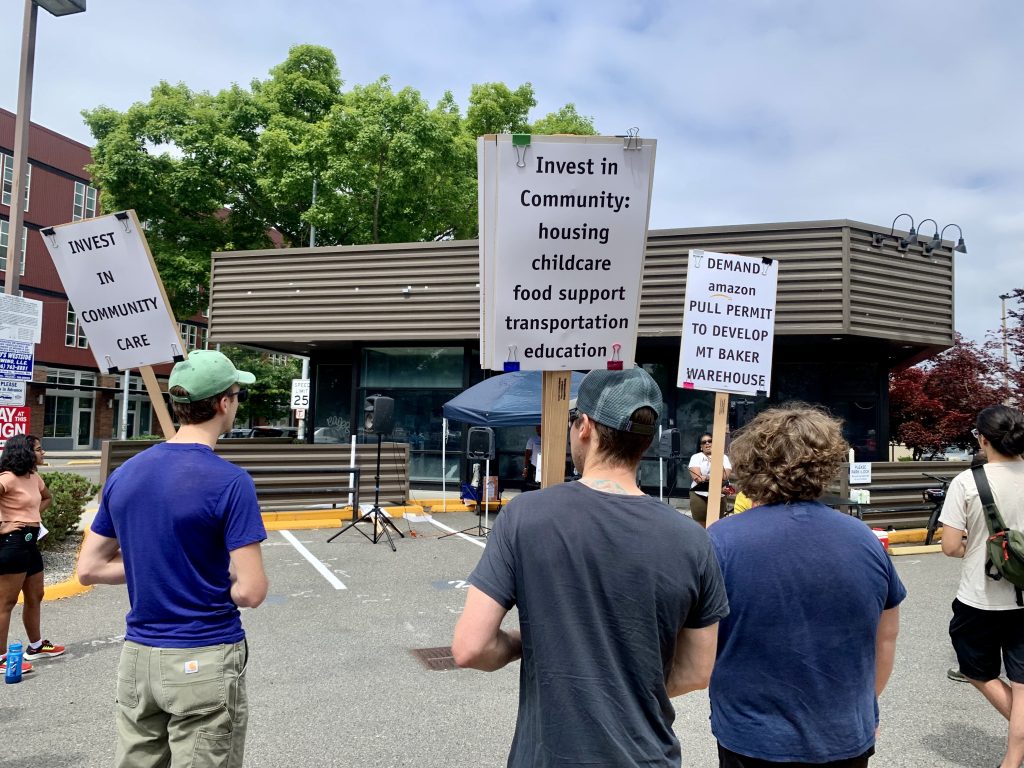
point(608, 486)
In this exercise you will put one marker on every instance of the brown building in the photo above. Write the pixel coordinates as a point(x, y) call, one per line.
point(74, 407)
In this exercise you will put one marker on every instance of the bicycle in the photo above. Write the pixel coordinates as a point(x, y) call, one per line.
point(936, 497)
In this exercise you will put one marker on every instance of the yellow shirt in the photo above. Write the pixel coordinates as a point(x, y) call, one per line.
point(742, 503)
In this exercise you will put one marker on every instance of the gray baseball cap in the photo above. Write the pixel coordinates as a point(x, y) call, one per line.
point(611, 398)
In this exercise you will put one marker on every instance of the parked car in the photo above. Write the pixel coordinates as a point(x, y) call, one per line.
point(248, 432)
point(328, 435)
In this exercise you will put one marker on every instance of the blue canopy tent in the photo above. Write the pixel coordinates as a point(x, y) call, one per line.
point(509, 400)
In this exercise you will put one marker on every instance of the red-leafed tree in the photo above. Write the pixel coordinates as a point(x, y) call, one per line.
point(932, 406)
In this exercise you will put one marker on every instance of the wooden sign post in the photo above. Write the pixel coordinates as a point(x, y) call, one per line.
point(554, 416)
point(717, 456)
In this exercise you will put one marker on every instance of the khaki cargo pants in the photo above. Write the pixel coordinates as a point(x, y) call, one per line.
point(181, 707)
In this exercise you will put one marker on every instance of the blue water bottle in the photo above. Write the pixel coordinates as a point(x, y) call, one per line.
point(13, 671)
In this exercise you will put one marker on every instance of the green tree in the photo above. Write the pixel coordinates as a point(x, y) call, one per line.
point(211, 172)
point(269, 396)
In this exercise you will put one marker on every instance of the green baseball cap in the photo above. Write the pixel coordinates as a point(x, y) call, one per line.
point(205, 373)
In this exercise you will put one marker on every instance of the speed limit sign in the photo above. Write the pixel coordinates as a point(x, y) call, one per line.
point(300, 394)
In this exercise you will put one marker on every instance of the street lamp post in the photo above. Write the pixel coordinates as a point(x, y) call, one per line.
point(1006, 348)
point(21, 129)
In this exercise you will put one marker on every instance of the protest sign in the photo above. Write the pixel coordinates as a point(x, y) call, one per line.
point(728, 323)
point(563, 230)
point(112, 282)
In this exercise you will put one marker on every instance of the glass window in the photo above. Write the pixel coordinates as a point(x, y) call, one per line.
point(58, 416)
point(84, 206)
point(420, 367)
point(8, 180)
point(5, 227)
point(74, 336)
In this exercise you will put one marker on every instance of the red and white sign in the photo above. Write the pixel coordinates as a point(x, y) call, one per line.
point(13, 421)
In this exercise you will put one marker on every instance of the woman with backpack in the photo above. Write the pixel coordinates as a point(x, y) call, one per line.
point(987, 629)
point(23, 497)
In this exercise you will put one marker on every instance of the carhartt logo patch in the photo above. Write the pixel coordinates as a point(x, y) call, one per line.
point(191, 667)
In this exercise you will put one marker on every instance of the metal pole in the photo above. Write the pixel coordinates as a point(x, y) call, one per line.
point(1006, 348)
point(21, 130)
point(302, 422)
point(124, 407)
point(312, 228)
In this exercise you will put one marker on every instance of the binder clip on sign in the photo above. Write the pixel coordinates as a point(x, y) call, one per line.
point(511, 364)
point(615, 364)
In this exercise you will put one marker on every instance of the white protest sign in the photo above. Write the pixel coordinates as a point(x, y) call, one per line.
point(112, 282)
point(728, 323)
point(12, 392)
point(21, 318)
point(565, 248)
point(300, 394)
point(16, 359)
point(860, 472)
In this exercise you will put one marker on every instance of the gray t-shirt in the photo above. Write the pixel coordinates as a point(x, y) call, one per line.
point(603, 583)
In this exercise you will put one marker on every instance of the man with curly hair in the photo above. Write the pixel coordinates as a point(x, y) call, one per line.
point(810, 639)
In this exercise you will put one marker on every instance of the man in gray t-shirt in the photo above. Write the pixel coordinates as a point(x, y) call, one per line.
point(619, 596)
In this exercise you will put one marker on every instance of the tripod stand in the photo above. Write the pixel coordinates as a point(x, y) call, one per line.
point(481, 528)
point(375, 515)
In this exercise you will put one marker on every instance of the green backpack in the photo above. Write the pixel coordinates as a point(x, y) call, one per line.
point(1005, 546)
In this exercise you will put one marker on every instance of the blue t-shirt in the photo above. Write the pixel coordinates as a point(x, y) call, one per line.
point(795, 675)
point(177, 511)
point(603, 583)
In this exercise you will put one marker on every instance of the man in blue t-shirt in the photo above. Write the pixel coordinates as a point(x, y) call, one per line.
point(811, 635)
point(619, 596)
point(181, 526)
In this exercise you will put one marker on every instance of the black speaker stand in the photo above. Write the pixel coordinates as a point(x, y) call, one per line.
point(483, 507)
point(381, 522)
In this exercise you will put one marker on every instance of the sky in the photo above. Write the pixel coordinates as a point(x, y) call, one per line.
point(764, 110)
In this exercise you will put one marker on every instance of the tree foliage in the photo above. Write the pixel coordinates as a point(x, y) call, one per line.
point(933, 406)
point(211, 172)
point(269, 396)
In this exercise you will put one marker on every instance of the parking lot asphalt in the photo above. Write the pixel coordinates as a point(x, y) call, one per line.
point(333, 680)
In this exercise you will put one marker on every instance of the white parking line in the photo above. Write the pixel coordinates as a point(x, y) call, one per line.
point(444, 527)
point(333, 580)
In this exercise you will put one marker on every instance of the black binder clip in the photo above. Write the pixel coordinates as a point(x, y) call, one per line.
point(122, 216)
point(176, 355)
point(51, 235)
point(615, 364)
point(511, 364)
point(111, 368)
point(632, 139)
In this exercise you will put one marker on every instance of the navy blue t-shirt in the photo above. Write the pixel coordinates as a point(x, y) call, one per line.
point(177, 511)
point(603, 583)
point(795, 676)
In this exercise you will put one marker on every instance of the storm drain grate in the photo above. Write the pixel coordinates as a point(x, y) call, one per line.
point(435, 659)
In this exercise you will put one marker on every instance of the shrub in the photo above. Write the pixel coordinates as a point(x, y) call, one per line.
point(70, 493)
point(147, 437)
